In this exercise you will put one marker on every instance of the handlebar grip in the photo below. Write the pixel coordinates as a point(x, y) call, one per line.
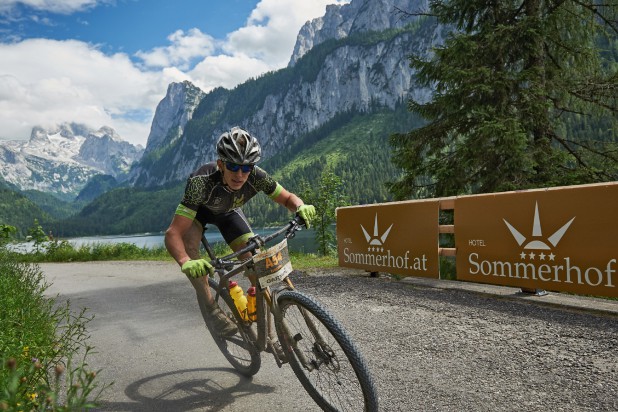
point(299, 220)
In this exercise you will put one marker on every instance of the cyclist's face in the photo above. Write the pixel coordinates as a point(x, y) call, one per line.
point(234, 180)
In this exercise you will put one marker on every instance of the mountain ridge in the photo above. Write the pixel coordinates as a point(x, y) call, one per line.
point(364, 71)
point(62, 159)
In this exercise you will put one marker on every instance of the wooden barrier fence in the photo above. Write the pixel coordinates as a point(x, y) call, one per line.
point(561, 239)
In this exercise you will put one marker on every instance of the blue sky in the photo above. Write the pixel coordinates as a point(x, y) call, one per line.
point(128, 25)
point(109, 62)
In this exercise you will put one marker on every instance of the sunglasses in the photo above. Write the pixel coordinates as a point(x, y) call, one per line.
point(233, 167)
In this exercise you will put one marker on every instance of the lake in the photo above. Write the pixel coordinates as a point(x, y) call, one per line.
point(304, 241)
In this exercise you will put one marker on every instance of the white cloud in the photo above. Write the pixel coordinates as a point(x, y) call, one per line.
point(270, 33)
point(54, 6)
point(185, 48)
point(226, 71)
point(264, 44)
point(45, 82)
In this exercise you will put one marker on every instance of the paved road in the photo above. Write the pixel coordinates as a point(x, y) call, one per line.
point(431, 345)
point(151, 342)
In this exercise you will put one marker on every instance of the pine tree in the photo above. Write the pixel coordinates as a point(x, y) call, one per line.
point(326, 196)
point(37, 233)
point(505, 80)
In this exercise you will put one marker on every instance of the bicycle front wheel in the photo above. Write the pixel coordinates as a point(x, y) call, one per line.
point(239, 348)
point(322, 355)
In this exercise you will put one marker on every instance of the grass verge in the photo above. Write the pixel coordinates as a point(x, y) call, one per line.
point(63, 251)
point(43, 346)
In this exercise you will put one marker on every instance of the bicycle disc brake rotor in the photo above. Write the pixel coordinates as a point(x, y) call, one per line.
point(325, 356)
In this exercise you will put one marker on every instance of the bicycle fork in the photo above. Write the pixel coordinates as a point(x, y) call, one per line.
point(322, 351)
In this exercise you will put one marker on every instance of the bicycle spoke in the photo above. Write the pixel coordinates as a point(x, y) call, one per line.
point(332, 372)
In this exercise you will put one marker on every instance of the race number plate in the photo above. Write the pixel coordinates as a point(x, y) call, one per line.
point(273, 265)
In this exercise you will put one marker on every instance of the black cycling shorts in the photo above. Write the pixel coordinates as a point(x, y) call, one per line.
point(233, 225)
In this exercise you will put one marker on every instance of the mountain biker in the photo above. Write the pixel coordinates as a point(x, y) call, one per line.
point(214, 194)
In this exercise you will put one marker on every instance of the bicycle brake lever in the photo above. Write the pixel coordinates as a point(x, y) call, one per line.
point(294, 226)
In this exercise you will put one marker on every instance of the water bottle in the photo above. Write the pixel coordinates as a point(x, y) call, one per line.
point(251, 304)
point(240, 300)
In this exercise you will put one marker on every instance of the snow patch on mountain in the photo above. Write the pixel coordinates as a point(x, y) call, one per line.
point(63, 158)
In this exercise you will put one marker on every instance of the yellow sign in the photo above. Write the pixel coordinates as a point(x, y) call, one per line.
point(398, 237)
point(560, 239)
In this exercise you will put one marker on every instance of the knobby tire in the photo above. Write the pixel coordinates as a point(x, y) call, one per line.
point(340, 379)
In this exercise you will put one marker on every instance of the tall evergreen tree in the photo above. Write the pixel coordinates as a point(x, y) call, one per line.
point(505, 79)
point(326, 196)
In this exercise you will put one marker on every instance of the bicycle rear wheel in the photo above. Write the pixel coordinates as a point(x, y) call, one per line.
point(322, 355)
point(238, 349)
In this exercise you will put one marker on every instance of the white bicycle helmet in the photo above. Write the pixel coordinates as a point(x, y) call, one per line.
point(238, 146)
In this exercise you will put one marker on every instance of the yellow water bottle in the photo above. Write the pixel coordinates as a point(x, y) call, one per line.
point(251, 304)
point(240, 300)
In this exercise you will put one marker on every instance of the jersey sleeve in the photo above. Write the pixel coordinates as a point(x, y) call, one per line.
point(265, 183)
point(192, 197)
point(185, 211)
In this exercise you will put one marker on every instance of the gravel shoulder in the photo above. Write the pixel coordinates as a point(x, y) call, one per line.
point(437, 345)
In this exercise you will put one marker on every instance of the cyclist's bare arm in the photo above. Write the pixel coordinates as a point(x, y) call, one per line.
point(178, 230)
point(289, 200)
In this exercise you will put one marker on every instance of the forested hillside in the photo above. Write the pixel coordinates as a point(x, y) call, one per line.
point(19, 211)
point(123, 211)
point(354, 146)
point(55, 207)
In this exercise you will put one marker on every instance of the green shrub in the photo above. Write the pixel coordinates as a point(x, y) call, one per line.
point(39, 339)
point(63, 251)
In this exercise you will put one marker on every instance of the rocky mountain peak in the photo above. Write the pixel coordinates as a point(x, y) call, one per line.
point(173, 113)
point(106, 132)
point(39, 135)
point(106, 151)
point(340, 21)
point(350, 77)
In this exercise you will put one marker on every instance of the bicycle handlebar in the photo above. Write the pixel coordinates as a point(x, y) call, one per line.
point(258, 241)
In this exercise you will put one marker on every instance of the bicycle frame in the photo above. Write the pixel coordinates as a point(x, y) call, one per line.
point(294, 327)
point(226, 268)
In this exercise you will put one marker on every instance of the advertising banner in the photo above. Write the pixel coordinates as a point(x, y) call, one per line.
point(558, 239)
point(398, 237)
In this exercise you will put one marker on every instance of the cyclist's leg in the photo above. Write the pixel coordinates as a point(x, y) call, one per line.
point(236, 231)
point(209, 308)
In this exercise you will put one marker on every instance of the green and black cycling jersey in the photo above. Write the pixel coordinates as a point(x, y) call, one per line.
point(205, 189)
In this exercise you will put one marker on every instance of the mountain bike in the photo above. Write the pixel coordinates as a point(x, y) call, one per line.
point(323, 357)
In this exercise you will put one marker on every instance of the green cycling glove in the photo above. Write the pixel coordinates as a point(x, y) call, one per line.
point(197, 268)
point(307, 213)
